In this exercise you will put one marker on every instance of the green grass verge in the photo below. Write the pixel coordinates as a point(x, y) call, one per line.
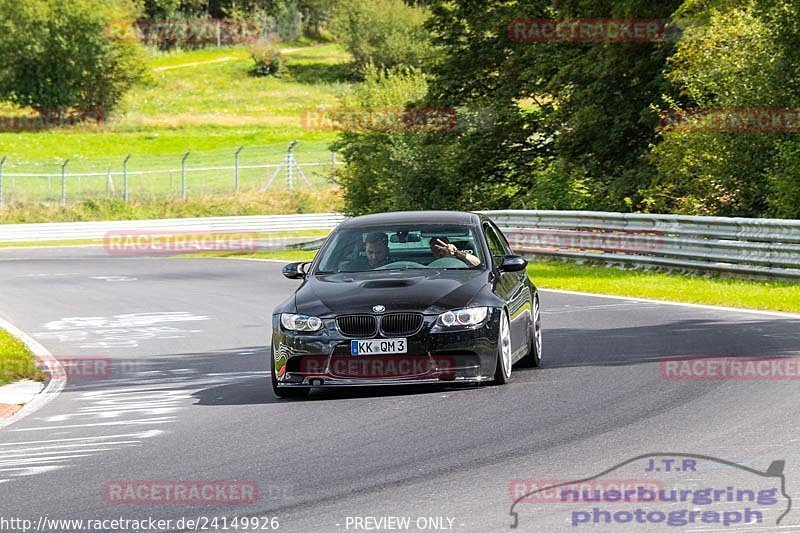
point(270, 202)
point(283, 255)
point(100, 242)
point(49, 244)
point(746, 294)
point(16, 361)
point(749, 294)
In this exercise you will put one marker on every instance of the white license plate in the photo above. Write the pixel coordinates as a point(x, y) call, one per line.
point(378, 347)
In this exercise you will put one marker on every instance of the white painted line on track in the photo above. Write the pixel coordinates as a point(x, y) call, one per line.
point(779, 314)
point(141, 435)
point(162, 420)
point(60, 449)
point(285, 261)
point(57, 382)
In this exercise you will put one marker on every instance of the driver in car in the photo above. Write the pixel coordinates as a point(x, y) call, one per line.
point(442, 247)
point(377, 249)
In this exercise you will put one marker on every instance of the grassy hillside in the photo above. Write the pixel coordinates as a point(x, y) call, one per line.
point(205, 101)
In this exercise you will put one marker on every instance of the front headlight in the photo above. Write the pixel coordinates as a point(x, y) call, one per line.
point(470, 316)
point(301, 322)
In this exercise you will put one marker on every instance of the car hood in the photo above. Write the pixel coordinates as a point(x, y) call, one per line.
point(428, 292)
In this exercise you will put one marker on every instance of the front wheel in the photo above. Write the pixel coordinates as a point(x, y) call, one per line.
point(287, 393)
point(534, 355)
point(502, 373)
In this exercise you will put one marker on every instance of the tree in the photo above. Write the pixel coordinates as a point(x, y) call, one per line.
point(547, 125)
point(56, 57)
point(386, 33)
point(733, 58)
point(317, 14)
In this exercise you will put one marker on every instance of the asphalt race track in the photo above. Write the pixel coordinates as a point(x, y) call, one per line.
point(187, 398)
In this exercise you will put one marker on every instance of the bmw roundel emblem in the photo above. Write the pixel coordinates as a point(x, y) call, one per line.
point(378, 308)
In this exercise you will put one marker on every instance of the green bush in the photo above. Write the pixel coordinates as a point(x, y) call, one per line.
point(268, 60)
point(387, 33)
point(732, 58)
point(784, 177)
point(55, 56)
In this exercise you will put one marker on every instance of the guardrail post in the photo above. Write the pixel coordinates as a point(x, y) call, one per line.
point(64, 182)
point(236, 169)
point(125, 178)
point(183, 175)
point(2, 162)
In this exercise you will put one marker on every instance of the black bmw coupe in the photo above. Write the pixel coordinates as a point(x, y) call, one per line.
point(406, 298)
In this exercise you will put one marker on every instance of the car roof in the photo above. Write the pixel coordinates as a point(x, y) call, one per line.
point(413, 217)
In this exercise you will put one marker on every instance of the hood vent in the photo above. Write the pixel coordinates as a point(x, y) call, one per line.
point(387, 283)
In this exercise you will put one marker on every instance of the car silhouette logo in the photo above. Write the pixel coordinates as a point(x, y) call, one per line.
point(775, 470)
point(378, 308)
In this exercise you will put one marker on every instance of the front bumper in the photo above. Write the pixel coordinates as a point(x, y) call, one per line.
point(322, 359)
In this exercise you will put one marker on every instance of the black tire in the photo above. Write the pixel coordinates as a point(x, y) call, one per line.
point(533, 358)
point(502, 373)
point(288, 393)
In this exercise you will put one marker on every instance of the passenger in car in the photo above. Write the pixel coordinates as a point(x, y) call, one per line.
point(442, 247)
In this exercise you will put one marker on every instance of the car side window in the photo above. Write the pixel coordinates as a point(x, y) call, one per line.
point(495, 243)
point(503, 241)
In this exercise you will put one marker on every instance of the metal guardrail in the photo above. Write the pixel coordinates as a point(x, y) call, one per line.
point(759, 247)
point(80, 231)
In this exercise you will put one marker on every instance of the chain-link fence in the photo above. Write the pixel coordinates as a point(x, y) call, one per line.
point(142, 178)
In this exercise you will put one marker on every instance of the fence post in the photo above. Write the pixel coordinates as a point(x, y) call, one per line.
point(219, 34)
point(2, 162)
point(183, 175)
point(290, 164)
point(125, 178)
point(64, 182)
point(333, 161)
point(236, 169)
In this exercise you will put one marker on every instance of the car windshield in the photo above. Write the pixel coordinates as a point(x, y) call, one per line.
point(429, 246)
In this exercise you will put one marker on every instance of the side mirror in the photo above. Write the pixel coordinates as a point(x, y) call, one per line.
point(512, 263)
point(295, 270)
